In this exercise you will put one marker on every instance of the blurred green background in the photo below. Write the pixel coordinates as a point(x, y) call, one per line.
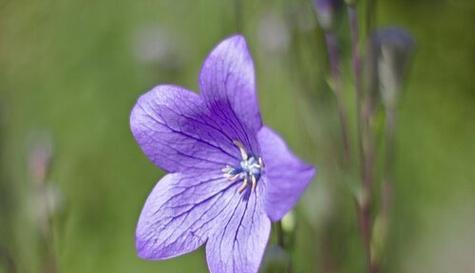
point(70, 72)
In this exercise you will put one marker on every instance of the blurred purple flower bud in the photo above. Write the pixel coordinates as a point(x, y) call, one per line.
point(44, 199)
point(326, 12)
point(39, 157)
point(273, 33)
point(392, 49)
point(155, 45)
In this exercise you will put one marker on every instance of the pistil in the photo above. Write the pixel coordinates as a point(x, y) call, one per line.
point(249, 169)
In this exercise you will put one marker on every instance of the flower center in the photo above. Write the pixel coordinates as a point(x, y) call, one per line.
point(249, 169)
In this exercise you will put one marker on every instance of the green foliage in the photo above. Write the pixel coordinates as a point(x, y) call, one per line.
point(71, 68)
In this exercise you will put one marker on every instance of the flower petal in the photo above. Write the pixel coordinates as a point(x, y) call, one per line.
point(228, 86)
point(240, 242)
point(180, 212)
point(176, 131)
point(286, 176)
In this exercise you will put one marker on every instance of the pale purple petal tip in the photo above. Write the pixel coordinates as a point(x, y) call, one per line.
point(228, 86)
point(239, 245)
point(175, 131)
point(180, 213)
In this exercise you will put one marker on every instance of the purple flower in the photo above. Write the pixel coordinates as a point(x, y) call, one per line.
point(230, 175)
point(326, 12)
point(392, 51)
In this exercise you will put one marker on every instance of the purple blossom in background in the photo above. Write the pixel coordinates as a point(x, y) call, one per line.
point(326, 12)
point(273, 33)
point(393, 48)
point(229, 175)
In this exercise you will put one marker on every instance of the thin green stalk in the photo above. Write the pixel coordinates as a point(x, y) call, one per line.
point(365, 142)
point(281, 242)
point(337, 84)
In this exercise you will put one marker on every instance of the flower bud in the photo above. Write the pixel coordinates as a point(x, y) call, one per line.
point(40, 156)
point(288, 222)
point(274, 35)
point(326, 12)
point(393, 48)
point(157, 46)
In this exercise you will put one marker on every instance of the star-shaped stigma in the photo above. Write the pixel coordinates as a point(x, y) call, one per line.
point(249, 169)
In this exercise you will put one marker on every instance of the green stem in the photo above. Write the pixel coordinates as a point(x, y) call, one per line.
point(334, 60)
point(365, 142)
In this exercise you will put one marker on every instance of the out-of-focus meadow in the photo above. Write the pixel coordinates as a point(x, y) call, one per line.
point(70, 72)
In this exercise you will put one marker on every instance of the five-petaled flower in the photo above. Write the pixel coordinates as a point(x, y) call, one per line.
point(229, 175)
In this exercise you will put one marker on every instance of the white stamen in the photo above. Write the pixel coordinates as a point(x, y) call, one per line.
point(242, 149)
point(243, 186)
point(254, 182)
point(249, 169)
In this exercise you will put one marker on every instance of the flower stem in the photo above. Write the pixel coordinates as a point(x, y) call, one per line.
point(334, 60)
point(389, 158)
point(387, 189)
point(280, 235)
point(51, 264)
point(281, 242)
point(7, 260)
point(365, 141)
point(370, 18)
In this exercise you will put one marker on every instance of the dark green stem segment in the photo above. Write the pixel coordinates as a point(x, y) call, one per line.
point(336, 79)
point(280, 235)
point(364, 111)
point(281, 242)
point(390, 135)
